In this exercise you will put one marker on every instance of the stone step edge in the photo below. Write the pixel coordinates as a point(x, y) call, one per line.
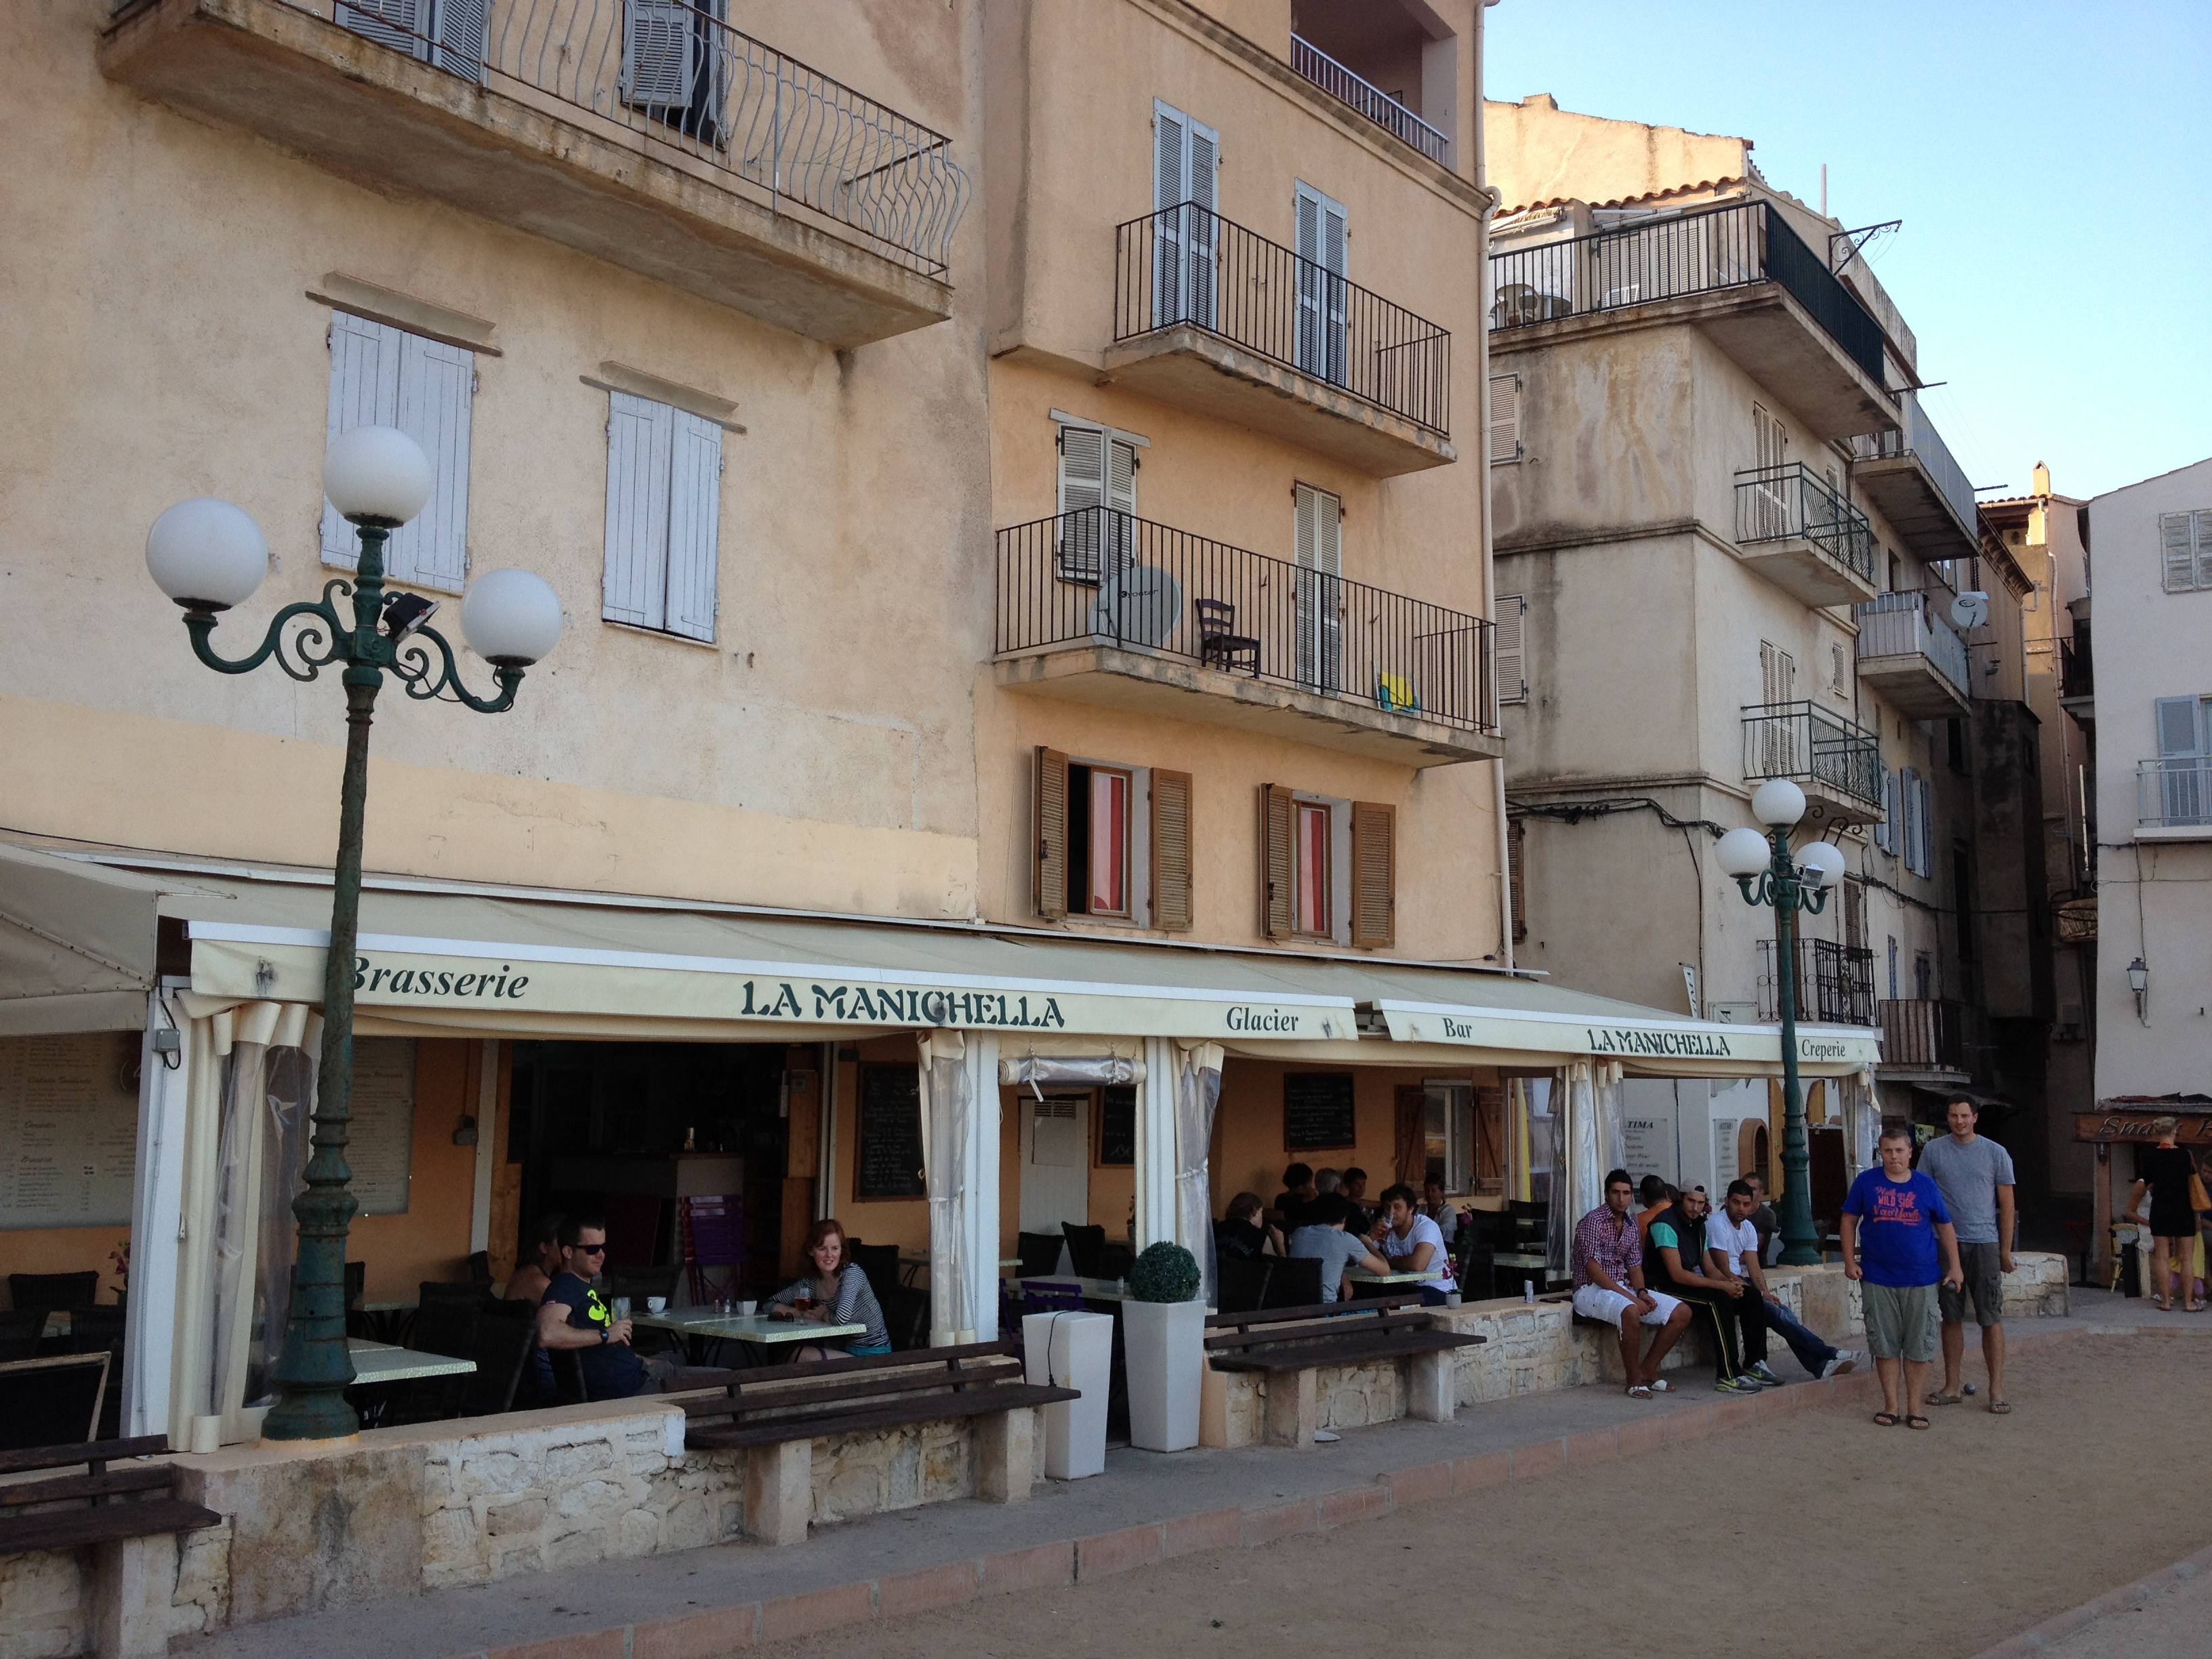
point(715, 1630)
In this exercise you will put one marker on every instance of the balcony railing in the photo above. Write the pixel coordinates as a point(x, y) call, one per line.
point(1920, 440)
point(1188, 266)
point(2174, 793)
point(1903, 625)
point(676, 75)
point(1101, 577)
point(1784, 503)
point(2076, 668)
point(1678, 255)
point(1928, 1035)
point(1834, 983)
point(1809, 743)
point(1377, 105)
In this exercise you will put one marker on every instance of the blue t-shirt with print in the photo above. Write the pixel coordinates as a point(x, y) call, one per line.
point(1897, 1227)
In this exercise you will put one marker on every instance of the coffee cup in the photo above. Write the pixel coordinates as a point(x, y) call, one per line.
point(656, 1304)
point(746, 1308)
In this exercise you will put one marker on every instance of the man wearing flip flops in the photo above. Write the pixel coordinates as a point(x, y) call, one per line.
point(1609, 1287)
point(1974, 1175)
point(1898, 1243)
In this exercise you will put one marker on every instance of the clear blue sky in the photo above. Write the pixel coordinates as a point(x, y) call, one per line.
point(2052, 164)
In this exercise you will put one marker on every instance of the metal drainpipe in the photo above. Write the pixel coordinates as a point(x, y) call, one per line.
point(1482, 442)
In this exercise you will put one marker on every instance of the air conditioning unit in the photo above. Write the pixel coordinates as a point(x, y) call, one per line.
point(1733, 1013)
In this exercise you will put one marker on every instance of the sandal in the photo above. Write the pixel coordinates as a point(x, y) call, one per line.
point(1937, 1397)
point(2000, 1406)
point(1638, 1391)
point(1886, 1419)
point(1916, 1422)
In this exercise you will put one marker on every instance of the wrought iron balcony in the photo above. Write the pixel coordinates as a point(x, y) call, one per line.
point(1910, 476)
point(1909, 654)
point(1187, 270)
point(1928, 1035)
point(2175, 792)
point(1104, 606)
point(1835, 760)
point(1377, 105)
point(2077, 675)
point(646, 132)
point(1834, 982)
point(1799, 534)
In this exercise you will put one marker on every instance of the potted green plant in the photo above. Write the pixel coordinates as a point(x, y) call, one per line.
point(1164, 1340)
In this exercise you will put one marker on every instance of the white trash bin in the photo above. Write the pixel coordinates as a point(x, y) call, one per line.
point(1071, 1351)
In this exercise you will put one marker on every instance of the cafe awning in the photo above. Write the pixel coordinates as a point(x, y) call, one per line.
point(77, 945)
point(461, 959)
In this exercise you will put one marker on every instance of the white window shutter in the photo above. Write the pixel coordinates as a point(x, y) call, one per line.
point(1170, 155)
point(695, 512)
point(2203, 547)
point(1504, 418)
point(398, 24)
point(437, 385)
point(1082, 468)
point(1511, 649)
point(463, 32)
point(1317, 532)
point(1201, 230)
point(364, 392)
point(1120, 475)
point(1885, 833)
point(2177, 550)
point(638, 443)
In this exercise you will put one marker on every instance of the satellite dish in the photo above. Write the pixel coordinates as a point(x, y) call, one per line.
point(1971, 609)
point(1142, 605)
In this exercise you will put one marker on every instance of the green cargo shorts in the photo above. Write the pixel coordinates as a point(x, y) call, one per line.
point(1900, 1321)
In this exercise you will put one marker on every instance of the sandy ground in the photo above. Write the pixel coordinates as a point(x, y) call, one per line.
point(1816, 1535)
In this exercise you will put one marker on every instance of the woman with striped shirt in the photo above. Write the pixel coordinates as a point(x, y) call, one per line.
point(836, 1293)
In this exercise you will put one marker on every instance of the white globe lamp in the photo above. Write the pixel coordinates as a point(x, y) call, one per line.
point(377, 475)
point(1742, 854)
point(511, 619)
point(1777, 803)
point(206, 554)
point(1821, 863)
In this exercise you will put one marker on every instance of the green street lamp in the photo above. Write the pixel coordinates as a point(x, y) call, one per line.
point(208, 556)
point(1762, 867)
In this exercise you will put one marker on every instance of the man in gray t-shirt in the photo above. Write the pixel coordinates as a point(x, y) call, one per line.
point(1324, 1240)
point(1974, 1175)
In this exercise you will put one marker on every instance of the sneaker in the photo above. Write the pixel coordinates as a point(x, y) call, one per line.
point(1763, 1374)
point(1736, 1385)
point(1841, 1365)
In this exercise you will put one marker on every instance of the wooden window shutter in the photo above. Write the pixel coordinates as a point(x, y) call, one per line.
point(1504, 418)
point(1512, 648)
point(1171, 850)
point(2203, 518)
point(1411, 1138)
point(1279, 874)
point(1374, 873)
point(639, 434)
point(1051, 833)
point(2178, 551)
point(1517, 880)
point(695, 514)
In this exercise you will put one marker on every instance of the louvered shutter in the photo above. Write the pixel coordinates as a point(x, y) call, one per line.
point(638, 435)
point(1082, 493)
point(694, 512)
point(464, 30)
point(437, 385)
point(1278, 872)
point(1908, 824)
point(1927, 828)
point(364, 392)
point(1885, 833)
point(1374, 873)
point(2203, 547)
point(1202, 233)
point(1322, 249)
point(1516, 877)
point(2178, 550)
point(1511, 651)
point(1504, 418)
point(2181, 737)
point(656, 68)
point(1317, 536)
point(1051, 826)
point(395, 23)
point(1171, 850)
point(1171, 174)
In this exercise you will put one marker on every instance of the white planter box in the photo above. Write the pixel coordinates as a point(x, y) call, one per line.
point(1163, 1344)
point(1074, 1351)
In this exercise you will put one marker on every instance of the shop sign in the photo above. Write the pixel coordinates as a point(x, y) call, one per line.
point(2192, 1130)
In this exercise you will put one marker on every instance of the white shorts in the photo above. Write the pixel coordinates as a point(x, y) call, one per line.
point(1595, 1302)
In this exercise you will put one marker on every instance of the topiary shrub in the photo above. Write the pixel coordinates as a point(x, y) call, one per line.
point(1164, 1273)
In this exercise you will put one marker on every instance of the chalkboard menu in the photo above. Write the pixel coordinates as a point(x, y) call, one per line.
point(1318, 1111)
point(887, 1161)
point(1118, 1126)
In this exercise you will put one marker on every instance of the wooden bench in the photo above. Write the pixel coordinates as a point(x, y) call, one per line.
point(1289, 1345)
point(777, 1412)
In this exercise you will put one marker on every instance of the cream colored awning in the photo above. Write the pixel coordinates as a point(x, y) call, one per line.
point(446, 958)
point(77, 945)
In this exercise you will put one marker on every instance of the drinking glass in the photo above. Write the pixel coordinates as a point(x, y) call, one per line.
point(622, 1307)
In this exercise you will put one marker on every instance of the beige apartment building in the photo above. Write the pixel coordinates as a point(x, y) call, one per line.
point(1731, 546)
point(1023, 750)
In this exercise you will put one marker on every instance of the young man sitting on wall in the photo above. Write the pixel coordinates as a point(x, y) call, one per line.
point(1608, 1262)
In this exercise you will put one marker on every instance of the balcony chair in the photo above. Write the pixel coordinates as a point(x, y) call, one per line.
point(1219, 644)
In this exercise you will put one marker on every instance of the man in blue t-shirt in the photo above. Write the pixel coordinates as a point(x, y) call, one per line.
point(1898, 1243)
point(574, 1316)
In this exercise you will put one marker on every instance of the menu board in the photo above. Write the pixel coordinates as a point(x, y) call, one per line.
point(888, 1159)
point(1117, 1126)
point(380, 1146)
point(1318, 1111)
point(68, 1129)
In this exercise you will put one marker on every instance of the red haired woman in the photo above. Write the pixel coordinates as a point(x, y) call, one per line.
point(834, 1292)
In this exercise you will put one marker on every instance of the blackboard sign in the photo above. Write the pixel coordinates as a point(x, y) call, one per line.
point(887, 1162)
point(1118, 1126)
point(1318, 1111)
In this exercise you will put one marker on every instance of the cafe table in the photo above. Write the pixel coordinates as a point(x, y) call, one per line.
point(1358, 1277)
point(913, 1263)
point(381, 1362)
point(700, 1326)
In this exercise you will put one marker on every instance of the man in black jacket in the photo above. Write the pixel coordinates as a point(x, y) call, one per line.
point(1678, 1264)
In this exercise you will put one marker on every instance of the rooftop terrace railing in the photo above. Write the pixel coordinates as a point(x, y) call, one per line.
point(670, 73)
point(1377, 105)
point(1188, 265)
point(1096, 576)
point(1792, 502)
point(1675, 255)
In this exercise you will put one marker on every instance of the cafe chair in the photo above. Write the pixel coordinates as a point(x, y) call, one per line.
point(1086, 1249)
point(479, 1268)
point(568, 1375)
point(20, 1331)
point(54, 1292)
point(906, 1316)
point(880, 1262)
point(55, 1401)
point(1241, 1283)
point(504, 1345)
point(1040, 1254)
point(446, 1319)
point(713, 1229)
point(1295, 1283)
point(1115, 1259)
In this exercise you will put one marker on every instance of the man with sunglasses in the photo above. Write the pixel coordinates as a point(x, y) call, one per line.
point(574, 1316)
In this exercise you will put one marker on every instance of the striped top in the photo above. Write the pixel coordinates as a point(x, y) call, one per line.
point(856, 1305)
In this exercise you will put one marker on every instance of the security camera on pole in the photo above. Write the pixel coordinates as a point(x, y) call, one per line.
point(208, 556)
point(1763, 869)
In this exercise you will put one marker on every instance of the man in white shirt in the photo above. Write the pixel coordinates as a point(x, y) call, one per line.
point(1415, 1244)
point(1733, 1242)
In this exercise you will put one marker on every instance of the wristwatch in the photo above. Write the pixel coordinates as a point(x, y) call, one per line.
point(604, 1334)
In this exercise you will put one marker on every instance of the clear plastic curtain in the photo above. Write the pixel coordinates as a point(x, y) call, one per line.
point(240, 1150)
point(1198, 1092)
point(946, 1127)
point(1590, 1139)
point(1862, 1120)
point(1561, 1214)
point(288, 1102)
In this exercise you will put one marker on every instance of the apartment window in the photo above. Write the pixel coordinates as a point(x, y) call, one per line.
point(1185, 158)
point(1323, 248)
point(1317, 540)
point(2185, 774)
point(1769, 449)
point(1916, 834)
point(1098, 498)
point(385, 376)
point(1954, 743)
point(663, 517)
point(1839, 668)
point(450, 33)
point(2185, 545)
point(1098, 840)
point(1111, 840)
point(1892, 967)
point(1328, 868)
point(1854, 914)
point(1313, 916)
point(1512, 648)
point(1923, 976)
point(1885, 831)
point(1504, 419)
